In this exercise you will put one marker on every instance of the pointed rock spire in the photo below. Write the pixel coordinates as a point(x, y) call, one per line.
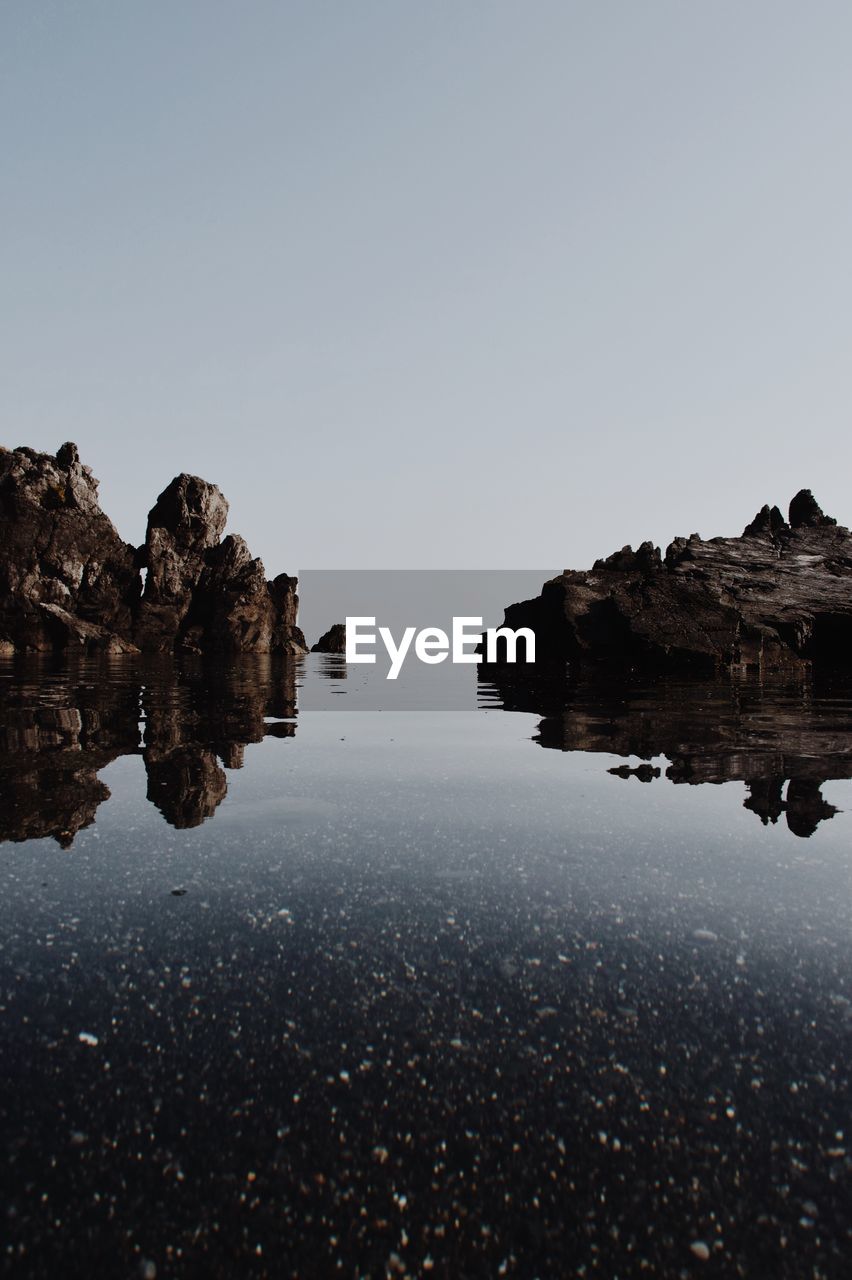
point(805, 511)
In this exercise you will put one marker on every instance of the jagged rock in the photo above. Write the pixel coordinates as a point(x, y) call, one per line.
point(805, 512)
point(334, 640)
point(779, 595)
point(85, 635)
point(647, 558)
point(67, 581)
point(767, 523)
point(66, 577)
point(186, 521)
point(286, 636)
point(204, 595)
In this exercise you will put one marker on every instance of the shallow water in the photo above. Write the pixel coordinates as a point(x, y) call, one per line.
point(411, 993)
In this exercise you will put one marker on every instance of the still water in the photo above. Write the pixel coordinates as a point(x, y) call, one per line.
point(558, 983)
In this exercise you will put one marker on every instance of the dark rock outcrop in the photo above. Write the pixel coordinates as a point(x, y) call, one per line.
point(205, 595)
point(67, 581)
point(768, 521)
point(185, 523)
point(334, 640)
point(805, 512)
point(778, 596)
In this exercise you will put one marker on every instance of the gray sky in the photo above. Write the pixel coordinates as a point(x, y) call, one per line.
point(446, 284)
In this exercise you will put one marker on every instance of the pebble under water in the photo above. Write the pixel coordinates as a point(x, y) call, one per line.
point(422, 999)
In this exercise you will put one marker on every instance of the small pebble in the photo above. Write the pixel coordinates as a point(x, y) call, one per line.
point(700, 1249)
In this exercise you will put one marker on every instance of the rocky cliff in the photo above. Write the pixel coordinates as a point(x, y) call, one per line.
point(66, 578)
point(68, 581)
point(780, 595)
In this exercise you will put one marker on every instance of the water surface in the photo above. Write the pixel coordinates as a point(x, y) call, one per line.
point(412, 993)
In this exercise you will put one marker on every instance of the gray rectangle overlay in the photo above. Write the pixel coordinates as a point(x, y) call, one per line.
point(400, 599)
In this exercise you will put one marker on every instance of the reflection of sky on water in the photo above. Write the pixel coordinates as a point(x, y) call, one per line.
point(433, 1000)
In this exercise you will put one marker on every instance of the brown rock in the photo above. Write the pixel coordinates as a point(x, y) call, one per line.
point(204, 595)
point(68, 582)
point(779, 596)
point(185, 523)
point(66, 577)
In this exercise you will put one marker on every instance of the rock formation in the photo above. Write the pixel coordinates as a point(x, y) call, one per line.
point(207, 595)
point(334, 640)
point(778, 596)
point(67, 581)
point(66, 578)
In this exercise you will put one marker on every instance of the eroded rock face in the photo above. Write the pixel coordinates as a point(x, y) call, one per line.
point(205, 595)
point(186, 522)
point(68, 581)
point(778, 596)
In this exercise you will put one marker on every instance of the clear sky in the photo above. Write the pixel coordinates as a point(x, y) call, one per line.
point(433, 283)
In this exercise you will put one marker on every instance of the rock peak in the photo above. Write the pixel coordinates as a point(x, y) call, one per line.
point(767, 523)
point(192, 511)
point(67, 455)
point(805, 512)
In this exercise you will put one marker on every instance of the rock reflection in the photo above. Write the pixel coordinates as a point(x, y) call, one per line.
point(332, 666)
point(766, 735)
point(61, 724)
point(190, 722)
point(186, 784)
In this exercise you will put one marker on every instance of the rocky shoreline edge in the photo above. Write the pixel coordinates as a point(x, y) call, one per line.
point(69, 582)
